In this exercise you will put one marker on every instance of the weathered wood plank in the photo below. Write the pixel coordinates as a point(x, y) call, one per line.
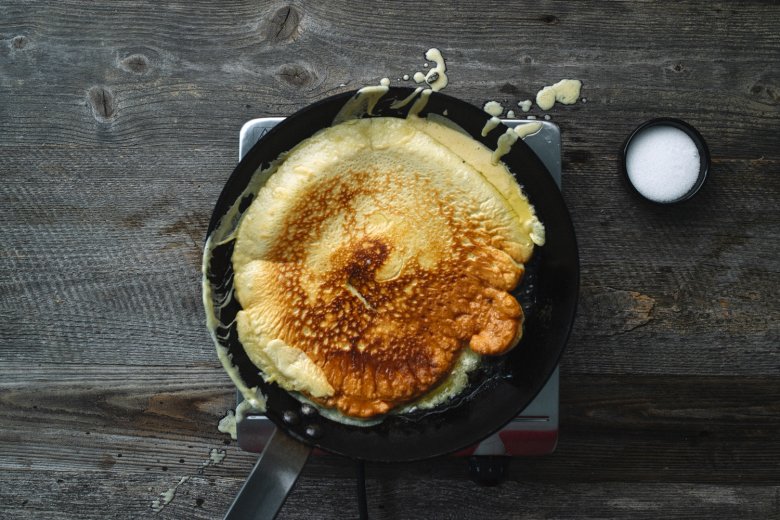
point(172, 75)
point(130, 419)
point(140, 244)
point(205, 496)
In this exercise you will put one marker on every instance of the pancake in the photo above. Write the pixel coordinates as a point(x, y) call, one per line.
point(376, 252)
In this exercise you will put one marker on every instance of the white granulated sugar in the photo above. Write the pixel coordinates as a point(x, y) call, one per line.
point(662, 163)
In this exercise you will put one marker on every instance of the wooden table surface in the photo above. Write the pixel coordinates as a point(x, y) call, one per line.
point(118, 127)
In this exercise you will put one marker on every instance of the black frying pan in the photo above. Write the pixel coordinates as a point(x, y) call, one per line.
point(502, 387)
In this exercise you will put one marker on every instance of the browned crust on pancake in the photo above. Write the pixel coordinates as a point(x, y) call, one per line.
point(384, 343)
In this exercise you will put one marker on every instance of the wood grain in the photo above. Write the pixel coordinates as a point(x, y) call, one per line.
point(687, 422)
point(205, 497)
point(118, 128)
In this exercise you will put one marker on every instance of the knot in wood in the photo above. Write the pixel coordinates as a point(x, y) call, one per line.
point(135, 63)
point(283, 25)
point(508, 88)
point(765, 93)
point(296, 75)
point(19, 42)
point(101, 100)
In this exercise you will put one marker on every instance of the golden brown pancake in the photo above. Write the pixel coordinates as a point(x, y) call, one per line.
point(376, 252)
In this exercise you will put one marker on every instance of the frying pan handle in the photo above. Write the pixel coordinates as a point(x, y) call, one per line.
point(269, 482)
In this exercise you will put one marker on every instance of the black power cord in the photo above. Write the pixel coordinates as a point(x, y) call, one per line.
point(361, 490)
